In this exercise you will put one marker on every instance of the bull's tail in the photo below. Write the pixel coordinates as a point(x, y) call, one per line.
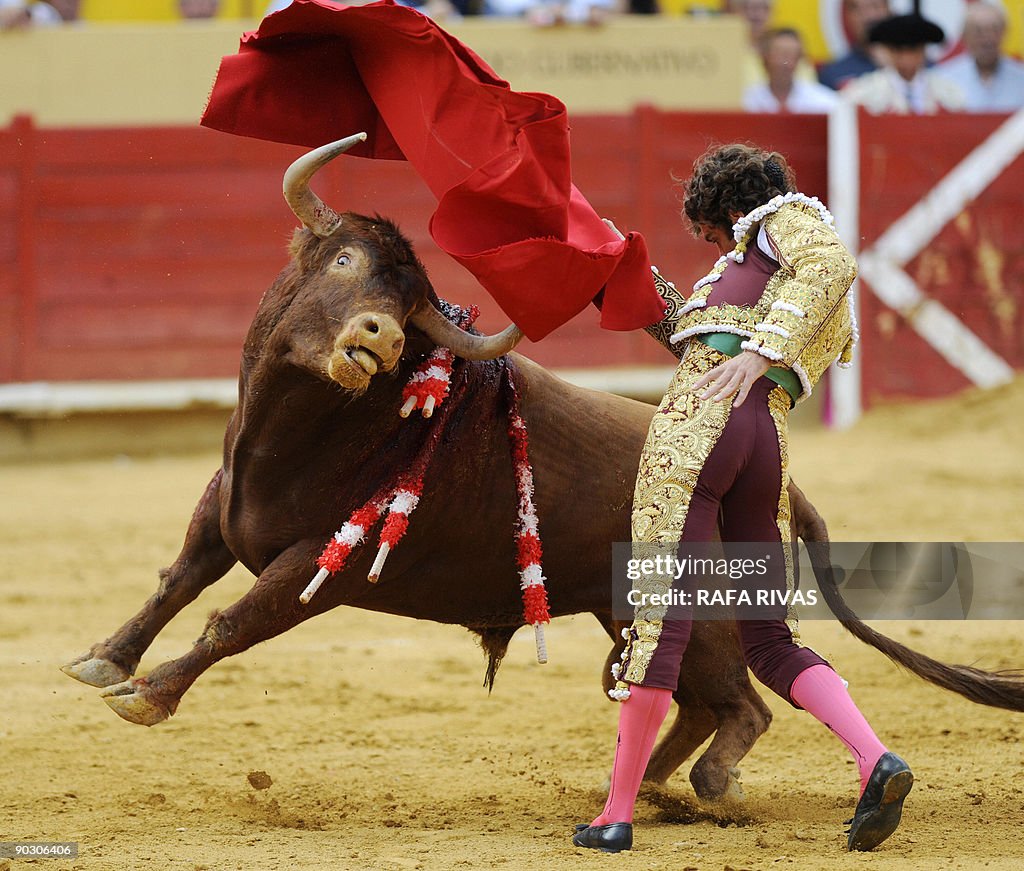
point(1003, 689)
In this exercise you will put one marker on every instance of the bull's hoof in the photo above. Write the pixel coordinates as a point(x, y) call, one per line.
point(714, 784)
point(131, 702)
point(734, 789)
point(95, 671)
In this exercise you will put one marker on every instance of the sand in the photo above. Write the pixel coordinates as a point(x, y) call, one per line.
point(362, 741)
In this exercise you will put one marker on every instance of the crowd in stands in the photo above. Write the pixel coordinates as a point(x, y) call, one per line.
point(887, 67)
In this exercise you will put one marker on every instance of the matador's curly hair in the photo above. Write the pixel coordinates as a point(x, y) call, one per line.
point(733, 178)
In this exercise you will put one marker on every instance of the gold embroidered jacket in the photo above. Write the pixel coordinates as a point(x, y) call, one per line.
point(802, 320)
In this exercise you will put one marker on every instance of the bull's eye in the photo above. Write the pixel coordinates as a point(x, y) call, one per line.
point(343, 260)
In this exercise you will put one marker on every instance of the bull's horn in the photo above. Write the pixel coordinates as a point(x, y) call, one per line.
point(308, 207)
point(463, 344)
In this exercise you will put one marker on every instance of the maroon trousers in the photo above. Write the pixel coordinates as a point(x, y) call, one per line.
point(740, 483)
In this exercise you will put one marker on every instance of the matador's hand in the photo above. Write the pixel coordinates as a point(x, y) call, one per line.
point(736, 375)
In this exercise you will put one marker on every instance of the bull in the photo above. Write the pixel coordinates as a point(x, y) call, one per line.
point(315, 433)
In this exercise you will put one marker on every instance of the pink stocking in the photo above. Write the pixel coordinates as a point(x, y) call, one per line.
point(822, 693)
point(639, 720)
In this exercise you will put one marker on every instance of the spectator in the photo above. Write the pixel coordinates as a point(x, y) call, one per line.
point(24, 13)
point(905, 85)
point(859, 16)
point(757, 14)
point(781, 52)
point(440, 10)
point(198, 8)
point(991, 82)
point(550, 12)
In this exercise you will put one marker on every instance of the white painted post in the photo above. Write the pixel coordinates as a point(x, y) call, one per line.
point(844, 203)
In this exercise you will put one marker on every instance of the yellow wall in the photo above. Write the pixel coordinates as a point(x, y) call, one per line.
point(124, 74)
point(162, 10)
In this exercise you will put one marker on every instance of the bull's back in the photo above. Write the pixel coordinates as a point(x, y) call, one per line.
point(585, 448)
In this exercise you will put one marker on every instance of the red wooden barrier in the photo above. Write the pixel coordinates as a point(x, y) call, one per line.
point(142, 253)
point(973, 265)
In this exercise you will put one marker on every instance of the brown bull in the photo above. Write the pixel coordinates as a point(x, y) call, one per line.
point(316, 433)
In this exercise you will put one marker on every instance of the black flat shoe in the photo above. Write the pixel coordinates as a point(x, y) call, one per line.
point(881, 806)
point(609, 839)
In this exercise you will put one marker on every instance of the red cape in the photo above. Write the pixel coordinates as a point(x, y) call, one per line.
point(497, 160)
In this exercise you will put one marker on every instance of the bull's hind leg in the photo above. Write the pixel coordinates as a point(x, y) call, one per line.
point(714, 670)
point(271, 607)
point(204, 558)
point(714, 695)
point(693, 723)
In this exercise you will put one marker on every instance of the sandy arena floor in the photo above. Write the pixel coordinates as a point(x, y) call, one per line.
point(385, 752)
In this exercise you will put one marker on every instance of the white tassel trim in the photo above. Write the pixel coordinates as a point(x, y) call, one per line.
point(763, 351)
point(782, 305)
point(851, 303)
point(772, 328)
point(529, 522)
point(805, 382)
point(531, 576)
point(618, 695)
point(710, 278)
point(616, 670)
point(714, 274)
point(692, 304)
point(742, 227)
point(404, 502)
point(699, 329)
point(349, 534)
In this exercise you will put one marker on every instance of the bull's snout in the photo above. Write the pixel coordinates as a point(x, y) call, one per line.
point(368, 343)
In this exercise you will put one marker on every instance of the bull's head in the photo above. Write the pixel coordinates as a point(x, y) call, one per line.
point(368, 273)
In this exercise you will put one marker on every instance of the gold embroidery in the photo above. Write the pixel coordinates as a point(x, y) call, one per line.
point(778, 407)
point(674, 301)
point(681, 436)
point(814, 277)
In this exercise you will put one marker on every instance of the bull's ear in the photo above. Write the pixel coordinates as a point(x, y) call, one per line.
point(300, 247)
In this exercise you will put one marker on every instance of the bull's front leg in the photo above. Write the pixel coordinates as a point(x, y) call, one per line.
point(271, 607)
point(204, 558)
